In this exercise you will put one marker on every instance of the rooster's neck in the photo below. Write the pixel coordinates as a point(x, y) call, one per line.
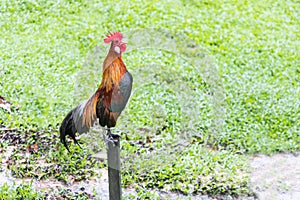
point(111, 56)
point(112, 73)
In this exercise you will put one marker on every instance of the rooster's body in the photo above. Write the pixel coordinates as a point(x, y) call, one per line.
point(108, 101)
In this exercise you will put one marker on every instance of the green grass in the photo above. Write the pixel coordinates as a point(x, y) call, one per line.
point(21, 192)
point(230, 87)
point(27, 192)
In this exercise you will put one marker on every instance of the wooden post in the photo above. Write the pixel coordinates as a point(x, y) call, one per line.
point(114, 170)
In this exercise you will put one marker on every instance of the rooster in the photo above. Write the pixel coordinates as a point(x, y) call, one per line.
point(108, 101)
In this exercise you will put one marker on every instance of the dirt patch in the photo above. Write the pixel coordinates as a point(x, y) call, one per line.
point(276, 177)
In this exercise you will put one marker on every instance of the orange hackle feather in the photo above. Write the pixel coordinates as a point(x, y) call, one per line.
point(112, 74)
point(89, 113)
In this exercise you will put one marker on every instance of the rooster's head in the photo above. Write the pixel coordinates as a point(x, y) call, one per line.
point(116, 42)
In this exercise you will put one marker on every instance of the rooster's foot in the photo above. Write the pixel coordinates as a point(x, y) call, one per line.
point(114, 138)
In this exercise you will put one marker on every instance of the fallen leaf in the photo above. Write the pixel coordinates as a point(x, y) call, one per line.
point(4, 104)
point(148, 139)
point(35, 147)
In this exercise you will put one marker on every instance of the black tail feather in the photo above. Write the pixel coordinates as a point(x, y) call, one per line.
point(68, 128)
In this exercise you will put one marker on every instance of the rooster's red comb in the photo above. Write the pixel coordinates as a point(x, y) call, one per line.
point(113, 36)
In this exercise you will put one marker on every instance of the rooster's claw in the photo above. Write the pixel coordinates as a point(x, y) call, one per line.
point(114, 138)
